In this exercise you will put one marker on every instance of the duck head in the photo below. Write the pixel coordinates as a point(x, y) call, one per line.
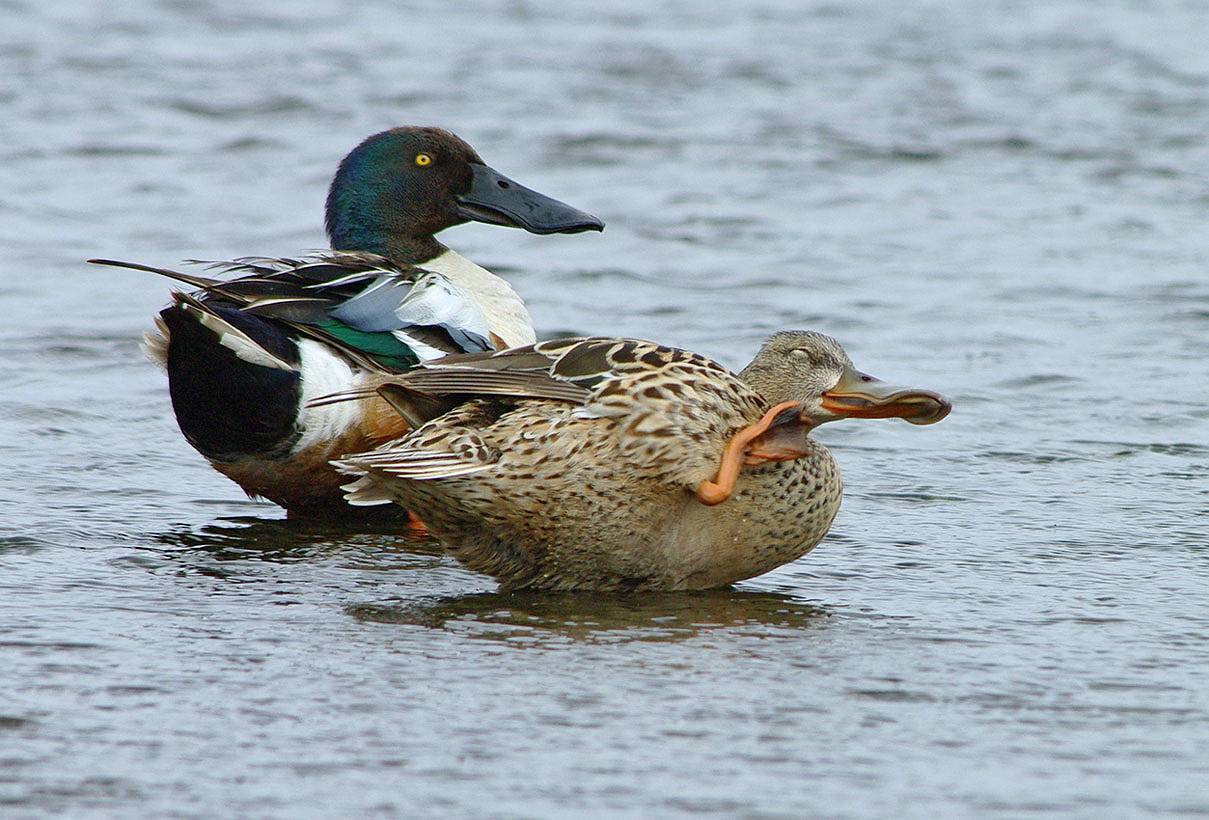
point(397, 189)
point(813, 371)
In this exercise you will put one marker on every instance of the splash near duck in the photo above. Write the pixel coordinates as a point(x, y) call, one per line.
point(618, 464)
point(245, 356)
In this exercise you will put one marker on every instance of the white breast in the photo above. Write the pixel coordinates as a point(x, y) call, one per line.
point(506, 314)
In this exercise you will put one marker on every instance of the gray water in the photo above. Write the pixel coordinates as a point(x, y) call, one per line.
point(1002, 201)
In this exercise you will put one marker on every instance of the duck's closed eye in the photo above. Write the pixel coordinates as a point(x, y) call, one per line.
point(423, 159)
point(799, 354)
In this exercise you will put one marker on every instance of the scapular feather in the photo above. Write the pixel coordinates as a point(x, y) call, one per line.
point(469, 381)
point(199, 282)
point(302, 310)
point(415, 407)
point(325, 297)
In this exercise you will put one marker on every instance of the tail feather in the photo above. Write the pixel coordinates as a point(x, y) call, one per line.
point(199, 282)
point(235, 380)
point(229, 336)
point(155, 344)
point(414, 464)
point(366, 491)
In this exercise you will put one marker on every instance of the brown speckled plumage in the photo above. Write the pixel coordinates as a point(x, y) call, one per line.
point(574, 464)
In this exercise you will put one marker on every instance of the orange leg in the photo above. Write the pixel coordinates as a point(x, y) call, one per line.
point(714, 492)
point(415, 527)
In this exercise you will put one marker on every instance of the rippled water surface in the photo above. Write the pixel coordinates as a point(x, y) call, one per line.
point(1006, 202)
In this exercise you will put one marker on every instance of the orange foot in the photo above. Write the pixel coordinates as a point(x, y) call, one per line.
point(415, 527)
point(736, 454)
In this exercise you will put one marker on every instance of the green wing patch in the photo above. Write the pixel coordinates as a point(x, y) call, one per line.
point(381, 346)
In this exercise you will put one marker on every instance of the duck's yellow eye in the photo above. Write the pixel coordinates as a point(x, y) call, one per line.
point(423, 159)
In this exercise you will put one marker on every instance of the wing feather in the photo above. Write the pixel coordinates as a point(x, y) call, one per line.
point(199, 282)
point(493, 383)
point(381, 314)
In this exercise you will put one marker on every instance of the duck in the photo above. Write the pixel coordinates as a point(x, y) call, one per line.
point(620, 465)
point(246, 354)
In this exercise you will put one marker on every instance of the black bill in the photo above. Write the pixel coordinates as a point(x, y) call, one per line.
point(497, 200)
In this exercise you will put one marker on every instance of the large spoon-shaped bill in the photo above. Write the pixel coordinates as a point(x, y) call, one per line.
point(859, 395)
point(497, 200)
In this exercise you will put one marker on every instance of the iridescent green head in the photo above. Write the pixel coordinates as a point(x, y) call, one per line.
point(397, 189)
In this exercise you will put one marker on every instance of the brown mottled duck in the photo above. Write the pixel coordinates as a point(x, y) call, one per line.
point(617, 464)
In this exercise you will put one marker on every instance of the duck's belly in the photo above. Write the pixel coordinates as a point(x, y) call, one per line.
point(777, 514)
point(608, 533)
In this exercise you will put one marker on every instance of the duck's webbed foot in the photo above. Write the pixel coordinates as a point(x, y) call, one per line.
point(772, 438)
point(415, 527)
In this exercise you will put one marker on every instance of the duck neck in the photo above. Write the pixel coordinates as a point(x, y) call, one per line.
point(348, 232)
point(408, 250)
point(364, 214)
point(763, 380)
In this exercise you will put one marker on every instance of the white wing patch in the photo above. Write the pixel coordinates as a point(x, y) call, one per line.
point(436, 301)
point(503, 311)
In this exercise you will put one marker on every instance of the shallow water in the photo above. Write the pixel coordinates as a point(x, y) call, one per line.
point(1006, 203)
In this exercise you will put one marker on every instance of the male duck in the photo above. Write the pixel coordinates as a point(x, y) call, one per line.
point(245, 356)
point(615, 464)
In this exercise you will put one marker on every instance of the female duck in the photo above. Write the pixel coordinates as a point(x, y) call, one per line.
point(615, 464)
point(244, 357)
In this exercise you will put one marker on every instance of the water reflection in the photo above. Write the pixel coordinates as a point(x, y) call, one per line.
point(546, 619)
point(291, 540)
point(521, 618)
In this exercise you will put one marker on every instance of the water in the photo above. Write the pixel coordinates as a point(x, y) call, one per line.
point(1005, 202)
